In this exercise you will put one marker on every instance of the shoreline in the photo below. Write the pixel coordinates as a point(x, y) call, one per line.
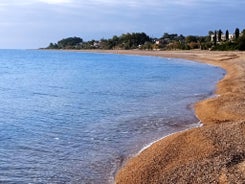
point(201, 151)
point(198, 125)
point(212, 153)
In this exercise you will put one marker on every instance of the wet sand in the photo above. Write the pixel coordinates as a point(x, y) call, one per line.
point(213, 153)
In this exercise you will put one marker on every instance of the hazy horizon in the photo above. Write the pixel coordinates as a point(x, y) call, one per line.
point(31, 24)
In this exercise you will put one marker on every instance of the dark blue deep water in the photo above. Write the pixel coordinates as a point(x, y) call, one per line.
point(68, 117)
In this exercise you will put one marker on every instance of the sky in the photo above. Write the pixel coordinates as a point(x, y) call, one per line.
point(31, 24)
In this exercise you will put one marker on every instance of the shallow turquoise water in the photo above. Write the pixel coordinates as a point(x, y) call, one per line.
point(70, 117)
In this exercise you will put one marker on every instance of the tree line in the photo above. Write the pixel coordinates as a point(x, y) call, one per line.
point(215, 40)
point(227, 41)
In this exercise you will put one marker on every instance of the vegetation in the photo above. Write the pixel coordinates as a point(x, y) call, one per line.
point(227, 35)
point(67, 43)
point(216, 40)
point(235, 43)
point(237, 33)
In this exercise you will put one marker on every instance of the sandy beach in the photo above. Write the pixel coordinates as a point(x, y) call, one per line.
point(213, 153)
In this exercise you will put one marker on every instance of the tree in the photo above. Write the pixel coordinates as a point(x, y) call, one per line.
point(241, 45)
point(243, 32)
point(210, 33)
point(215, 37)
point(237, 33)
point(227, 35)
point(170, 36)
point(53, 46)
point(191, 38)
point(70, 42)
point(219, 35)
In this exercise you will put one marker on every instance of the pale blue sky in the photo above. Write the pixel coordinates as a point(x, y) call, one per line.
point(36, 23)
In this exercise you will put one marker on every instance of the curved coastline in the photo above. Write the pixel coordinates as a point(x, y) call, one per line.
point(214, 152)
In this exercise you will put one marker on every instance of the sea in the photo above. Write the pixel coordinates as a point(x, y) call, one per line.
point(73, 117)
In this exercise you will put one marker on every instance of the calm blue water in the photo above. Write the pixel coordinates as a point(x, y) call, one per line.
point(74, 117)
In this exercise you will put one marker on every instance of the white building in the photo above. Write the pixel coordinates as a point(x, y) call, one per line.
point(223, 37)
point(231, 36)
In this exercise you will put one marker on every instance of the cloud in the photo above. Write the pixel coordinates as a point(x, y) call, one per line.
point(189, 3)
point(6, 3)
point(56, 1)
point(125, 3)
point(50, 20)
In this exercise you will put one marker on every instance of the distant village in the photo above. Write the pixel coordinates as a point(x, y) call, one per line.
point(215, 40)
